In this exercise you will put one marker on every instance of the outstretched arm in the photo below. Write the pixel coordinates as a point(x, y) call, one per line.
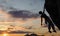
point(41, 20)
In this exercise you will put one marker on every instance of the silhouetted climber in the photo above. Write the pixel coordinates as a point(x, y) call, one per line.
point(50, 22)
point(43, 16)
point(52, 9)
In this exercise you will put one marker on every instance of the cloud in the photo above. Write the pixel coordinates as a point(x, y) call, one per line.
point(23, 14)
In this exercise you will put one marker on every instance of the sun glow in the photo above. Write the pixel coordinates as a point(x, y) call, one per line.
point(5, 34)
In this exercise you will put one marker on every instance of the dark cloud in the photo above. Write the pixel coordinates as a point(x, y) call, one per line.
point(22, 14)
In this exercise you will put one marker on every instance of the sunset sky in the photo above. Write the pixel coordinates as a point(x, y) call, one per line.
point(6, 20)
point(31, 5)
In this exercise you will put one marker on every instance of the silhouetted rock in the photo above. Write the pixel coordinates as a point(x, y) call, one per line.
point(27, 34)
point(33, 34)
point(53, 8)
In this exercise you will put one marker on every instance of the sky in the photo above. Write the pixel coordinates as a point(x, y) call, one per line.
point(31, 5)
point(6, 20)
